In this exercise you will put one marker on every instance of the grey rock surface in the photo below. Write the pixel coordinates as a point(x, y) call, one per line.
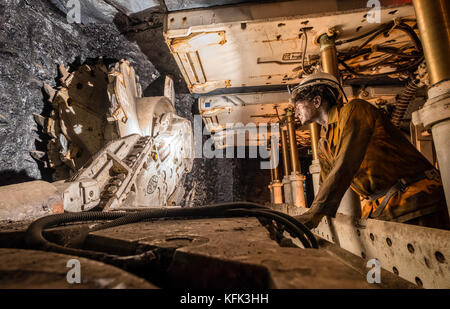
point(35, 38)
point(95, 11)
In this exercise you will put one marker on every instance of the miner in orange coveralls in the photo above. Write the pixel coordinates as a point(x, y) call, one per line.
point(360, 148)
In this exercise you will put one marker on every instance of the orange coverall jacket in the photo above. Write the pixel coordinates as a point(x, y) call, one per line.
point(361, 148)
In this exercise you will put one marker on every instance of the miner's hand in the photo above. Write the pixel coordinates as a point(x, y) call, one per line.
point(310, 219)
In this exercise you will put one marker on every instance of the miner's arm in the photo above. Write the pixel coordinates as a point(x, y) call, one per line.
point(357, 123)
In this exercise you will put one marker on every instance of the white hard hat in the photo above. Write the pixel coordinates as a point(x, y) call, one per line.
point(320, 78)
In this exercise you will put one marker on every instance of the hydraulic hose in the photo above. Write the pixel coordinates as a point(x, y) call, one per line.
point(35, 239)
point(381, 27)
point(290, 223)
point(416, 59)
point(209, 210)
point(403, 101)
point(304, 229)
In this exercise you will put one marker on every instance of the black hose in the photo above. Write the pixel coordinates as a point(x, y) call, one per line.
point(35, 239)
point(409, 67)
point(383, 26)
point(389, 50)
point(403, 101)
point(210, 210)
point(291, 228)
point(305, 230)
point(386, 50)
point(395, 51)
point(373, 36)
point(304, 52)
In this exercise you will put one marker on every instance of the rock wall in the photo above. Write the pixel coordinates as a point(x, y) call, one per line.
point(221, 179)
point(35, 38)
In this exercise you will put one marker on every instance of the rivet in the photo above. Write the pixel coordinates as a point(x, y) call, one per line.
point(389, 242)
point(439, 257)
point(395, 270)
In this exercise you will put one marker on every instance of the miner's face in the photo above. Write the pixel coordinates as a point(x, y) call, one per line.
point(307, 111)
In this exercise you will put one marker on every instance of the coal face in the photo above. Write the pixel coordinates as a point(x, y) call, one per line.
point(35, 37)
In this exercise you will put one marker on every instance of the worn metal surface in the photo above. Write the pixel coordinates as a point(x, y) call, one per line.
point(237, 253)
point(261, 44)
point(30, 269)
point(418, 254)
point(433, 19)
point(148, 147)
point(94, 105)
point(435, 114)
point(77, 126)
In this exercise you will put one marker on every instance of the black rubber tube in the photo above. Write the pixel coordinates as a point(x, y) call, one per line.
point(360, 51)
point(210, 210)
point(34, 237)
point(301, 226)
point(384, 26)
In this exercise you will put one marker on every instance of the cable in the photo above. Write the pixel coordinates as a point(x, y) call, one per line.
point(383, 26)
point(35, 239)
point(403, 101)
point(292, 229)
point(305, 230)
point(416, 59)
point(398, 70)
point(209, 210)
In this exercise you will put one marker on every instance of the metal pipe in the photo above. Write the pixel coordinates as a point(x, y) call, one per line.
point(433, 19)
point(276, 187)
point(285, 151)
point(271, 173)
point(314, 140)
point(296, 179)
point(292, 141)
point(276, 174)
point(328, 55)
point(287, 168)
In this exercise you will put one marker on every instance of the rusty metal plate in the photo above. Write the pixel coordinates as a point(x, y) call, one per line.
point(415, 253)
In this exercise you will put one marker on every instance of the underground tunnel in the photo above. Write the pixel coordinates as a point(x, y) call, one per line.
point(224, 144)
